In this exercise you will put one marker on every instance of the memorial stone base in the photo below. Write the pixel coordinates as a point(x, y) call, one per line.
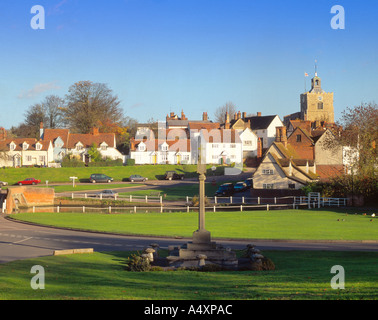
point(201, 251)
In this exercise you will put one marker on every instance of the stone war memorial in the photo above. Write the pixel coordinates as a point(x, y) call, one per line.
point(201, 251)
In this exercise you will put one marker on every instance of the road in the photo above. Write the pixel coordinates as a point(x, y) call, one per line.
point(20, 241)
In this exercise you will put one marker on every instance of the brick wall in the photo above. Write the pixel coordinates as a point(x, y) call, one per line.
point(29, 197)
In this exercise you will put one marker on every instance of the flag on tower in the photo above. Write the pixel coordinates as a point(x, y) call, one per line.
point(306, 74)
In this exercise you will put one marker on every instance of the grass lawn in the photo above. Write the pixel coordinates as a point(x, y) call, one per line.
point(91, 187)
point(12, 175)
point(320, 224)
point(298, 275)
point(176, 193)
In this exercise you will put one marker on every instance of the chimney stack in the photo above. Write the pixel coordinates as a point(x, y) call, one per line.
point(259, 149)
point(204, 116)
point(244, 115)
point(3, 134)
point(239, 115)
point(259, 114)
point(227, 121)
point(95, 131)
point(41, 130)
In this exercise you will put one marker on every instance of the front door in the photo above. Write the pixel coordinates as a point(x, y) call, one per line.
point(17, 161)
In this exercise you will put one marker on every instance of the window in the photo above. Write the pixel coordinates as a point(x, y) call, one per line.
point(299, 138)
point(104, 148)
point(25, 146)
point(41, 158)
point(233, 145)
point(268, 185)
point(38, 146)
point(247, 142)
point(291, 185)
point(28, 158)
point(141, 147)
point(185, 157)
point(267, 171)
point(79, 147)
point(320, 105)
point(164, 157)
point(215, 145)
point(164, 147)
point(12, 146)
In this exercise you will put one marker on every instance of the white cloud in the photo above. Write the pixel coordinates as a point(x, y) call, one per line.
point(38, 89)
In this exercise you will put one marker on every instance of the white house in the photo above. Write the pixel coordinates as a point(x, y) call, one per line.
point(221, 146)
point(265, 128)
point(20, 152)
point(65, 143)
point(249, 143)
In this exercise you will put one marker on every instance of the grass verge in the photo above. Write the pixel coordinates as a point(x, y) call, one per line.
point(299, 275)
point(276, 224)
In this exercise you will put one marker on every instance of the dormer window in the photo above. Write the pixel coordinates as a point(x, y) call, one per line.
point(25, 146)
point(79, 146)
point(142, 147)
point(164, 147)
point(38, 146)
point(103, 146)
point(12, 146)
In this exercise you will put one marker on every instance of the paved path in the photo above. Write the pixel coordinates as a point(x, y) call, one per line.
point(20, 241)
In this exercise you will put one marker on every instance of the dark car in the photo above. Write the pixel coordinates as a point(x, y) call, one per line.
point(226, 189)
point(28, 181)
point(240, 186)
point(249, 183)
point(98, 177)
point(137, 177)
point(173, 175)
point(107, 194)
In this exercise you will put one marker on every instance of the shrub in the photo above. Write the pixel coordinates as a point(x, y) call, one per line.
point(106, 163)
point(130, 162)
point(137, 263)
point(267, 264)
point(195, 201)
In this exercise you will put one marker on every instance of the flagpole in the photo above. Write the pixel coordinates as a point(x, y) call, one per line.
point(305, 76)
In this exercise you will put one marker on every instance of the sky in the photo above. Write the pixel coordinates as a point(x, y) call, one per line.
point(162, 56)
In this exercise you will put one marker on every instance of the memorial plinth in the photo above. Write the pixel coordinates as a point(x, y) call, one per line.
point(192, 253)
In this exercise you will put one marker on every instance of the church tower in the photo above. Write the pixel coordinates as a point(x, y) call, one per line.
point(316, 104)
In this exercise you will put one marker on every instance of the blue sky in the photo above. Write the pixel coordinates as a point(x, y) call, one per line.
point(167, 55)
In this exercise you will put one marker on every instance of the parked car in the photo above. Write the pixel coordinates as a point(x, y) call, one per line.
point(107, 194)
point(249, 183)
point(3, 183)
point(97, 177)
point(28, 181)
point(173, 175)
point(137, 177)
point(226, 189)
point(240, 186)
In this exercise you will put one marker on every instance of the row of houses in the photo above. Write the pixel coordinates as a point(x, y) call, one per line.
point(286, 156)
point(176, 141)
point(53, 146)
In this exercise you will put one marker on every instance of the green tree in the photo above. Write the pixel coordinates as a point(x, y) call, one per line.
point(94, 153)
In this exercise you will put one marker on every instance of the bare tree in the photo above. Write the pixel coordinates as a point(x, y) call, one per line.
point(220, 112)
point(52, 106)
point(91, 105)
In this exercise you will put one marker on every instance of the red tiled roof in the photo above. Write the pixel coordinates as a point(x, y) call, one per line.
point(329, 171)
point(5, 144)
point(88, 139)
